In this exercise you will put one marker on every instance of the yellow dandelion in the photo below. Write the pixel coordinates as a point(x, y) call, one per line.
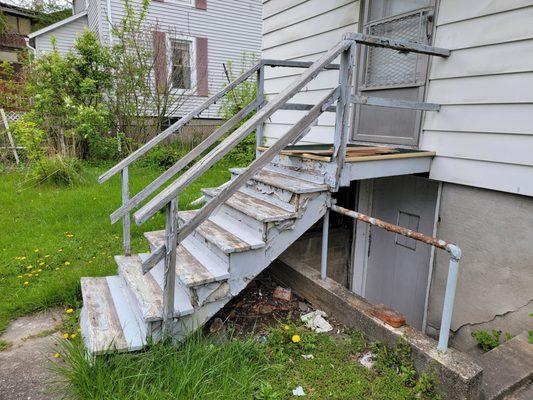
point(39, 270)
point(70, 310)
point(286, 327)
point(36, 250)
point(57, 355)
point(57, 268)
point(79, 329)
point(46, 256)
point(296, 339)
point(29, 267)
point(67, 263)
point(22, 258)
point(59, 250)
point(90, 261)
point(36, 274)
point(69, 235)
point(41, 262)
point(20, 276)
point(26, 283)
point(73, 335)
point(30, 275)
point(65, 335)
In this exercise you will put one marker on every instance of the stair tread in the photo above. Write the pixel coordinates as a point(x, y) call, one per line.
point(102, 327)
point(507, 366)
point(193, 268)
point(254, 207)
point(220, 236)
point(285, 182)
point(148, 288)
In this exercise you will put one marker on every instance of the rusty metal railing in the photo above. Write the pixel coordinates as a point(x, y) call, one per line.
point(451, 248)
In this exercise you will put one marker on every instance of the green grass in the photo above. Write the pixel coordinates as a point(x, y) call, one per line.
point(211, 368)
point(66, 234)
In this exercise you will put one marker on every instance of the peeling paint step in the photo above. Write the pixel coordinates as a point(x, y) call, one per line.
point(224, 234)
point(506, 367)
point(253, 207)
point(147, 289)
point(197, 254)
point(283, 181)
point(108, 322)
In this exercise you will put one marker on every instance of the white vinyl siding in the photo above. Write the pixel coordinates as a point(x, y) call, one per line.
point(483, 134)
point(303, 30)
point(64, 35)
point(233, 27)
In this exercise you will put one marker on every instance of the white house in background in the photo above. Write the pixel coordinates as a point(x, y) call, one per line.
point(197, 35)
point(479, 189)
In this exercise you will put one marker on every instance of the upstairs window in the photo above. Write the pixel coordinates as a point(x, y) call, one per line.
point(181, 64)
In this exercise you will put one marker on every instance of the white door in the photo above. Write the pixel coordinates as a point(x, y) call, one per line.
point(396, 268)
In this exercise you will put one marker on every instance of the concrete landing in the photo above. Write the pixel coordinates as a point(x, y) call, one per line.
point(523, 393)
point(507, 367)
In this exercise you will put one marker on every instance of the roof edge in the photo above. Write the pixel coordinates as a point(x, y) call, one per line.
point(57, 24)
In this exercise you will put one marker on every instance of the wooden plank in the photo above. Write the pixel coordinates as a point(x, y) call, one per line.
point(286, 182)
point(144, 288)
point(126, 223)
point(153, 258)
point(231, 141)
point(217, 235)
point(176, 126)
point(190, 271)
point(104, 331)
point(253, 207)
point(242, 231)
point(303, 107)
point(171, 242)
point(182, 163)
point(9, 136)
point(400, 45)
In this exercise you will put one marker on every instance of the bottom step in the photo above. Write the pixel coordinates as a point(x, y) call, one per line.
point(107, 320)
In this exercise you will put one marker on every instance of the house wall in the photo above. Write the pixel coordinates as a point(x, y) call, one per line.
point(483, 134)
point(495, 285)
point(65, 36)
point(303, 30)
point(233, 27)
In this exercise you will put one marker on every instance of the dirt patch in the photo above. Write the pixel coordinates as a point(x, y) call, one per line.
point(25, 365)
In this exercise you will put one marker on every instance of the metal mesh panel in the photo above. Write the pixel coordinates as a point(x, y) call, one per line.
point(13, 116)
point(386, 67)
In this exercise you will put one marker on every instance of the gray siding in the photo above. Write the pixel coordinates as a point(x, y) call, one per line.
point(233, 27)
point(65, 36)
point(483, 134)
point(303, 30)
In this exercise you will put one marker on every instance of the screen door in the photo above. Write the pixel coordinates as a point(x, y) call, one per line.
point(390, 74)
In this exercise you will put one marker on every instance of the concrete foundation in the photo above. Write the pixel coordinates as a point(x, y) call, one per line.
point(495, 286)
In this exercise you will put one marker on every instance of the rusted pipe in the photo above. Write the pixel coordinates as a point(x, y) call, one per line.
point(453, 269)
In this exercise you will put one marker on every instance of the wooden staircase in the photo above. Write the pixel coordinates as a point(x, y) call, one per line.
point(203, 258)
point(245, 234)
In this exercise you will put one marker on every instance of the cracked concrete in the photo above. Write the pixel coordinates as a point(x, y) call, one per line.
point(25, 372)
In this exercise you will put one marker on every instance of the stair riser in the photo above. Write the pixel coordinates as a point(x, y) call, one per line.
point(324, 171)
point(133, 300)
point(217, 252)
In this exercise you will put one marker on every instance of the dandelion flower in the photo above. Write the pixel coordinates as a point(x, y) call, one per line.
point(57, 355)
point(36, 274)
point(36, 250)
point(70, 310)
point(296, 338)
point(59, 250)
point(65, 335)
point(46, 256)
point(286, 327)
point(20, 276)
point(26, 283)
point(67, 263)
point(29, 267)
point(39, 270)
point(73, 335)
point(22, 258)
point(57, 268)
point(30, 275)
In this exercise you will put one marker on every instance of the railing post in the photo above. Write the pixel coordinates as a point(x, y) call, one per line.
point(343, 114)
point(324, 254)
point(126, 223)
point(260, 95)
point(171, 232)
point(449, 297)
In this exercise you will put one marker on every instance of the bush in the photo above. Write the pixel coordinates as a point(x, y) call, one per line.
point(487, 341)
point(55, 170)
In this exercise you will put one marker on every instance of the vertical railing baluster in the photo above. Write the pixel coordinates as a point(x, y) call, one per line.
point(342, 116)
point(324, 254)
point(260, 95)
point(126, 222)
point(171, 232)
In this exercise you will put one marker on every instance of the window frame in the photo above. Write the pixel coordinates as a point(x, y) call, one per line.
point(192, 62)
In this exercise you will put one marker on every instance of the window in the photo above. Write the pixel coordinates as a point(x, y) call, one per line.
point(181, 64)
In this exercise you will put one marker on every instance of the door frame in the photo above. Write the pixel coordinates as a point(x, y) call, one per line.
point(362, 241)
point(360, 54)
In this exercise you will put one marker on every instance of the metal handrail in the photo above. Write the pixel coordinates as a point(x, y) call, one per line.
point(451, 248)
point(176, 126)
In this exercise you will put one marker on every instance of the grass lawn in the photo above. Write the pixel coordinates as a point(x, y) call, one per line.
point(51, 236)
point(220, 368)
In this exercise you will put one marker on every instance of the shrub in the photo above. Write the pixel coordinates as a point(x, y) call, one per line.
point(55, 170)
point(487, 341)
